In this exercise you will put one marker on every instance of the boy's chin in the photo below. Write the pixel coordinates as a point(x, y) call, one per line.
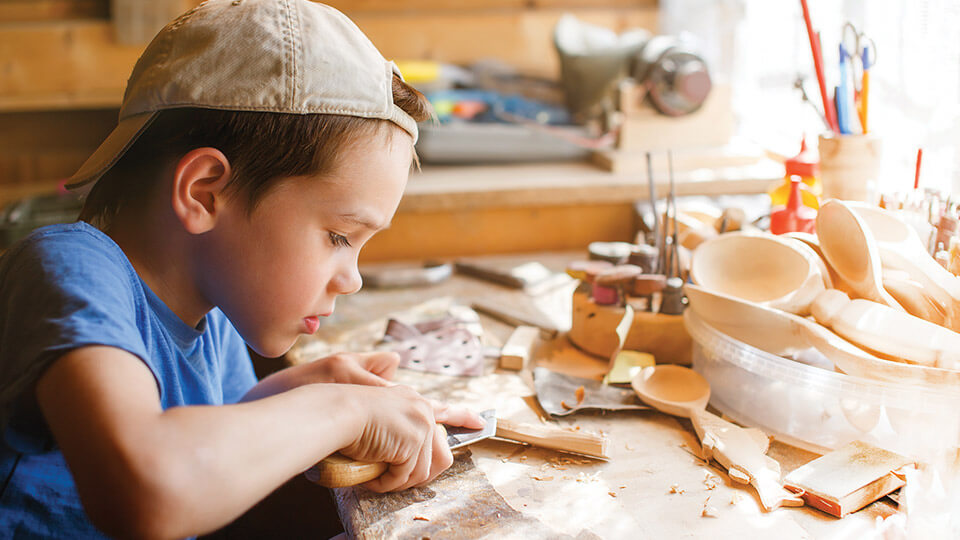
point(271, 348)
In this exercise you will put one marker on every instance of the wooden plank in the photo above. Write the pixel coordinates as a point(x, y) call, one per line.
point(43, 146)
point(568, 4)
point(442, 234)
point(62, 65)
point(549, 184)
point(361, 6)
point(18, 11)
point(523, 39)
point(515, 353)
point(555, 438)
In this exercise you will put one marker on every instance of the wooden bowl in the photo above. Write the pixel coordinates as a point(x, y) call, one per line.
point(759, 268)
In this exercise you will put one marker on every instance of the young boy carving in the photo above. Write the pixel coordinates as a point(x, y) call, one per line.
point(261, 143)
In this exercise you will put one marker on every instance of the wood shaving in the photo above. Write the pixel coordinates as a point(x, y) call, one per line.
point(612, 494)
point(565, 406)
point(675, 489)
point(541, 478)
point(710, 481)
point(628, 447)
point(514, 454)
point(581, 477)
point(708, 511)
point(580, 394)
point(735, 498)
point(420, 518)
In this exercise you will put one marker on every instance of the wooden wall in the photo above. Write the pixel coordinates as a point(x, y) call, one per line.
point(62, 71)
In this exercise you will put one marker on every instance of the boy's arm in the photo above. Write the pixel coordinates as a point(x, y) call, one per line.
point(145, 472)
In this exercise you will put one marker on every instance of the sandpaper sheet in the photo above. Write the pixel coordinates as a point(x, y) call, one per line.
point(557, 393)
point(443, 345)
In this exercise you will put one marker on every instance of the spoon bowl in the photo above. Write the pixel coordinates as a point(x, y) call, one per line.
point(851, 250)
point(672, 389)
point(759, 268)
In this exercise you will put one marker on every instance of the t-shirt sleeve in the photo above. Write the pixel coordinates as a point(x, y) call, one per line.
point(58, 294)
point(236, 367)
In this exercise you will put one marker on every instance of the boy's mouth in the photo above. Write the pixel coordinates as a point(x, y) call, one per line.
point(311, 323)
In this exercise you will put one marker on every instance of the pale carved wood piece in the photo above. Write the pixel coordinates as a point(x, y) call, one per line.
point(516, 352)
point(894, 334)
point(761, 268)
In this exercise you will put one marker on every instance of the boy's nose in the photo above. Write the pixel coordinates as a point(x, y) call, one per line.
point(348, 281)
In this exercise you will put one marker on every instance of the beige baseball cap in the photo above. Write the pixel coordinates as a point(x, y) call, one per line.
point(284, 56)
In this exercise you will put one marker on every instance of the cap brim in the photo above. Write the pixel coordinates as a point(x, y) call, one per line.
point(111, 150)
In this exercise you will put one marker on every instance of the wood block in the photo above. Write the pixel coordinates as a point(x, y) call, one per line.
point(555, 438)
point(516, 352)
point(848, 478)
point(594, 331)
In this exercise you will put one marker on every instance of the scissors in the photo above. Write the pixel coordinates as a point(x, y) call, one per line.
point(859, 46)
point(860, 49)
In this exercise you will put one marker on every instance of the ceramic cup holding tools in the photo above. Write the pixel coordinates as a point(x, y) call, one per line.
point(849, 166)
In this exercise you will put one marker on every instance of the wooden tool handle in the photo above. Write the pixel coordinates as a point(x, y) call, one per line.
point(337, 470)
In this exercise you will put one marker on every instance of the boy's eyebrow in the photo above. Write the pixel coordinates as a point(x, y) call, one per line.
point(365, 222)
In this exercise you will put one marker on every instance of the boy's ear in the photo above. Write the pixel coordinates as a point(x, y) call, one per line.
point(199, 179)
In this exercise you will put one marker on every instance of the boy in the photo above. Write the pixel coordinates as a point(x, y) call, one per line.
point(261, 143)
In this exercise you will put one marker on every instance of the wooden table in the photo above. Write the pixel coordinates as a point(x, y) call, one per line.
point(497, 489)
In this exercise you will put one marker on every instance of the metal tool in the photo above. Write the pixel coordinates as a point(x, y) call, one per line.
point(674, 256)
point(338, 470)
point(391, 276)
point(656, 216)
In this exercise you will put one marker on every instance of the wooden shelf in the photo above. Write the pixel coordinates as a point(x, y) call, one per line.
point(69, 64)
point(452, 188)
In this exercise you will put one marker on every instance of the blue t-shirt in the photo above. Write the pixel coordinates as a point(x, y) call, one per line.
point(69, 286)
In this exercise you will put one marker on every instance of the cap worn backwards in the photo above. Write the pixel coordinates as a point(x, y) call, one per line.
point(284, 56)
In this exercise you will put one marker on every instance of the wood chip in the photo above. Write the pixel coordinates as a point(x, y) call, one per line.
point(675, 489)
point(710, 481)
point(708, 511)
point(565, 406)
point(612, 494)
point(580, 394)
point(541, 478)
point(735, 498)
point(420, 518)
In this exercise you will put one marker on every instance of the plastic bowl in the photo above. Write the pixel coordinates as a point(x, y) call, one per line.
point(818, 409)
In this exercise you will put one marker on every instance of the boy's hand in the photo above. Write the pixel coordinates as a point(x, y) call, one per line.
point(368, 369)
point(406, 431)
point(371, 368)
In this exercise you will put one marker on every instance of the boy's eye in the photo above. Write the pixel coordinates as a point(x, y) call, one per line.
point(339, 240)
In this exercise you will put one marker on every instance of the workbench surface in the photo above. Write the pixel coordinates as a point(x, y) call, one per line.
point(653, 486)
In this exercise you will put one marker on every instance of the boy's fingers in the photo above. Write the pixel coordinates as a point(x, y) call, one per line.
point(421, 473)
point(369, 379)
point(456, 416)
point(442, 457)
point(395, 477)
point(382, 363)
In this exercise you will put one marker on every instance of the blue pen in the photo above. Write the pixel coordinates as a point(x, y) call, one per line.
point(843, 111)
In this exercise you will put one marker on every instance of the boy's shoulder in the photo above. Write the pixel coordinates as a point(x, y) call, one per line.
point(66, 261)
point(62, 243)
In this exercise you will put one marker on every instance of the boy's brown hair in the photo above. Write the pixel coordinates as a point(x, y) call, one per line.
point(262, 147)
